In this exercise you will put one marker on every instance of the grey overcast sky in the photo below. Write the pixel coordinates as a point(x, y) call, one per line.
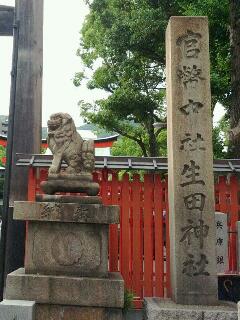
point(62, 23)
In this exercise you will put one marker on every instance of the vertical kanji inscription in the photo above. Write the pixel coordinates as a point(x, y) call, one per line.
point(190, 163)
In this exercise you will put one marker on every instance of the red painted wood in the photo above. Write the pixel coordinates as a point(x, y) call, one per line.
point(32, 184)
point(125, 232)
point(148, 235)
point(113, 229)
point(3, 142)
point(105, 187)
point(223, 194)
point(137, 263)
point(137, 246)
point(216, 189)
point(158, 237)
point(168, 275)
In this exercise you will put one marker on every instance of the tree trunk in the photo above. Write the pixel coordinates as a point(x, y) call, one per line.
point(234, 147)
point(153, 146)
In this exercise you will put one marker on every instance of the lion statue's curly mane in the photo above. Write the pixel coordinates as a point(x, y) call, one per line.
point(67, 145)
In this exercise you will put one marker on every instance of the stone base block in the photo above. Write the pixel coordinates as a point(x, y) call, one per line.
point(66, 212)
point(17, 310)
point(66, 238)
point(64, 185)
point(68, 199)
point(67, 249)
point(87, 292)
point(55, 312)
point(166, 309)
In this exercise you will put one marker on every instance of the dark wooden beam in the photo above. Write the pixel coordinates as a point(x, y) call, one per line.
point(25, 122)
point(6, 20)
point(26, 119)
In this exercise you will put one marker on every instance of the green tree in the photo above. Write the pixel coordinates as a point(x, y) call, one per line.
point(234, 111)
point(127, 40)
point(219, 143)
point(123, 42)
point(128, 147)
point(224, 22)
point(219, 44)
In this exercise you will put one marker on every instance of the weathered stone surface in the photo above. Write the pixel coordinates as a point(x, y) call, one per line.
point(221, 242)
point(54, 312)
point(165, 309)
point(17, 310)
point(190, 162)
point(133, 314)
point(62, 185)
point(66, 212)
point(66, 144)
point(68, 199)
point(63, 248)
point(62, 290)
point(220, 315)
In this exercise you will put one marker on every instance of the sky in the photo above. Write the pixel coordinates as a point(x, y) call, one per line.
point(62, 23)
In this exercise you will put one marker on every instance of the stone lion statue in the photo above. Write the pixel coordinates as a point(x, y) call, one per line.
point(67, 145)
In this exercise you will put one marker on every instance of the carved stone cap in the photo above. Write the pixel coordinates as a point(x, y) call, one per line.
point(66, 212)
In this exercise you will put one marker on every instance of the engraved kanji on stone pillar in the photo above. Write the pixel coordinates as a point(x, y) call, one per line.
point(190, 162)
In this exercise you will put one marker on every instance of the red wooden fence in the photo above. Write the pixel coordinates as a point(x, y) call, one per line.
point(139, 246)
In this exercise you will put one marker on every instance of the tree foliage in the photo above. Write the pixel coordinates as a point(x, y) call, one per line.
point(128, 147)
point(123, 42)
point(127, 39)
point(219, 44)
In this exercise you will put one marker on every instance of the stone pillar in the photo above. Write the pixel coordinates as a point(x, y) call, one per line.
point(190, 162)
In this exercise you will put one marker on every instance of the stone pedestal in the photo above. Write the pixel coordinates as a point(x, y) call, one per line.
point(66, 262)
point(166, 309)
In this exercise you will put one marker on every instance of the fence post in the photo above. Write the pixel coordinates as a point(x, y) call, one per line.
point(148, 235)
point(113, 229)
point(158, 233)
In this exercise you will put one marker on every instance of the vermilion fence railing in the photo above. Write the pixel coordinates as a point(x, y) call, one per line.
point(139, 246)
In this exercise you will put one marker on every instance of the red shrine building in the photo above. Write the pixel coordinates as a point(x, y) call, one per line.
point(103, 142)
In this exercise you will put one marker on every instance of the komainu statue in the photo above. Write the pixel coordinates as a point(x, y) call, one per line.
point(67, 145)
point(77, 155)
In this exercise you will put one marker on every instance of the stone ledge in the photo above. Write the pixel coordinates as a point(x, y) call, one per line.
point(55, 312)
point(88, 292)
point(65, 212)
point(17, 309)
point(166, 309)
point(64, 198)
